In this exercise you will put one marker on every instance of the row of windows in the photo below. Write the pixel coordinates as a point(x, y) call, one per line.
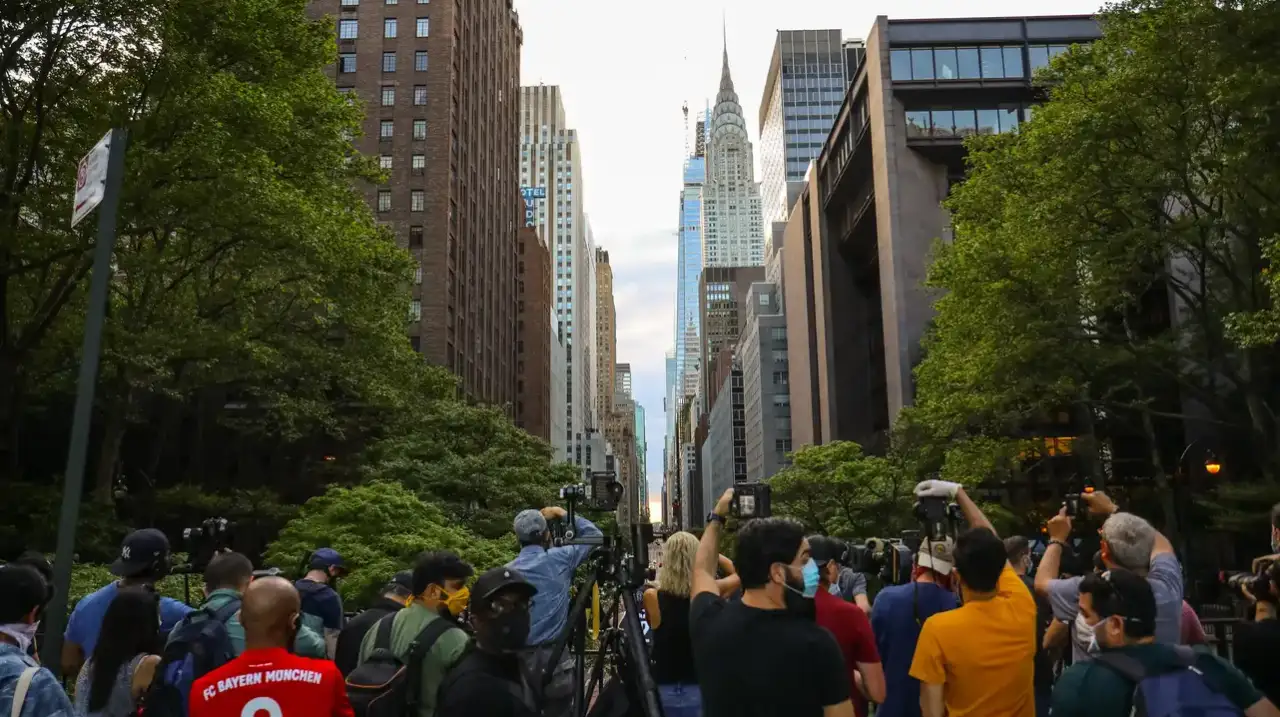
point(347, 62)
point(961, 123)
point(969, 63)
point(417, 200)
point(387, 128)
point(389, 95)
point(349, 29)
point(418, 162)
point(355, 3)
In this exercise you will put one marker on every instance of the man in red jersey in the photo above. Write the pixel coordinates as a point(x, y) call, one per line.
point(849, 624)
point(266, 680)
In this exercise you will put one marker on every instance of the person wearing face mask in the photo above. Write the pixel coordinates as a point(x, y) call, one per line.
point(1018, 551)
point(396, 595)
point(848, 624)
point(440, 593)
point(489, 680)
point(977, 660)
point(267, 680)
point(764, 655)
point(1121, 612)
point(23, 595)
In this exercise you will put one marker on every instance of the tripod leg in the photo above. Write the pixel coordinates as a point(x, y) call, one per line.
point(638, 655)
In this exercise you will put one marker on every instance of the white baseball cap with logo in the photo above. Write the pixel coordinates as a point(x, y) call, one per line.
point(937, 555)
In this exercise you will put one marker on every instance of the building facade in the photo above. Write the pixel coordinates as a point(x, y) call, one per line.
point(642, 467)
point(724, 457)
point(558, 386)
point(622, 380)
point(857, 241)
point(722, 297)
point(551, 170)
point(732, 224)
point(534, 337)
point(606, 338)
point(802, 94)
point(439, 82)
point(766, 395)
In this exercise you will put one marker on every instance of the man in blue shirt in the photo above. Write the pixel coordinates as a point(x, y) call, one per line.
point(321, 604)
point(896, 617)
point(550, 571)
point(23, 593)
point(144, 559)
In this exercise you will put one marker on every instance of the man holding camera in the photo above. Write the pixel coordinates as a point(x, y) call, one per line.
point(977, 660)
point(1255, 642)
point(550, 571)
point(763, 655)
point(1128, 542)
point(848, 624)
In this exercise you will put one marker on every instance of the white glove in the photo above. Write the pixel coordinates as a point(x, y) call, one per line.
point(937, 489)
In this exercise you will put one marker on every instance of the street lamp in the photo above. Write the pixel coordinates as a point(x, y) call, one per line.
point(1212, 466)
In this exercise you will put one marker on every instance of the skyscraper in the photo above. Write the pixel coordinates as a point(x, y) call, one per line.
point(606, 336)
point(688, 267)
point(551, 168)
point(732, 225)
point(439, 81)
point(802, 94)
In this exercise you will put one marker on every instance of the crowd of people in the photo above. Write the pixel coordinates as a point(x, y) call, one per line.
point(785, 629)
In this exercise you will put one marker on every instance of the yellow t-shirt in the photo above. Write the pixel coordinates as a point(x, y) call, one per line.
point(983, 653)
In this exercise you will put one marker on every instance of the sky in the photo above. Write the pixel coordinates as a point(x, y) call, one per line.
point(625, 70)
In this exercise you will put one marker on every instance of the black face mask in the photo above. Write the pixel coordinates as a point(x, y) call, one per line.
point(793, 597)
point(504, 633)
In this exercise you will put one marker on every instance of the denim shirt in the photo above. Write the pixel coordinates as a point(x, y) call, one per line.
point(45, 697)
point(551, 572)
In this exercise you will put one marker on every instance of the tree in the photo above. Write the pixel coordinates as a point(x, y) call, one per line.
point(379, 528)
point(836, 489)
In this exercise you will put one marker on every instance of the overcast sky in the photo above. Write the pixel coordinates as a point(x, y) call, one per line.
point(625, 70)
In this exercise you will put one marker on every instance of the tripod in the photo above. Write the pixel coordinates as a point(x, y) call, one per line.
point(626, 646)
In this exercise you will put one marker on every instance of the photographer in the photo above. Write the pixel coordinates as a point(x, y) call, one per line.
point(321, 604)
point(849, 625)
point(550, 570)
point(851, 586)
point(896, 617)
point(1256, 642)
point(1128, 542)
point(764, 655)
point(978, 658)
point(144, 560)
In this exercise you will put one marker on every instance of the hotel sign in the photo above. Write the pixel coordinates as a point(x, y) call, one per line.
point(531, 195)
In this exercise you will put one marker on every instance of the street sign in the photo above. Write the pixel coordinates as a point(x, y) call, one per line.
point(91, 179)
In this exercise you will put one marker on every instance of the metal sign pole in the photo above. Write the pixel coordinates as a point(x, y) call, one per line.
point(73, 480)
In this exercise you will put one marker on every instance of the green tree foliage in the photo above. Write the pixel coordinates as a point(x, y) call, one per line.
point(474, 463)
point(379, 528)
point(836, 489)
point(1148, 181)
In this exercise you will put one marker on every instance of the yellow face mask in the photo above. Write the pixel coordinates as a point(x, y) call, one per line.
point(456, 602)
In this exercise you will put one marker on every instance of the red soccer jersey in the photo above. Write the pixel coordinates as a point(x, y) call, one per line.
point(271, 683)
point(852, 630)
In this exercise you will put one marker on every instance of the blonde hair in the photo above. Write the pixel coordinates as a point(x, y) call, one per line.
point(675, 575)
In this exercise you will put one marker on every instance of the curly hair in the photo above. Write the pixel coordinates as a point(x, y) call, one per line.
point(675, 575)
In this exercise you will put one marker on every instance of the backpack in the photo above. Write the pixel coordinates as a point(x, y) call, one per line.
point(520, 692)
point(384, 685)
point(195, 647)
point(1183, 691)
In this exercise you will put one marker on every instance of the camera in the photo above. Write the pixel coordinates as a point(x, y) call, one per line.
point(887, 558)
point(1258, 584)
point(751, 500)
point(603, 493)
point(204, 541)
point(938, 517)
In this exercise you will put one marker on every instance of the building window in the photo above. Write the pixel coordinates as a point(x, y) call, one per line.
point(922, 64)
point(419, 162)
point(417, 275)
point(347, 62)
point(415, 310)
point(992, 62)
point(384, 200)
point(1013, 62)
point(386, 129)
point(424, 26)
point(420, 94)
point(389, 27)
point(350, 3)
point(420, 129)
point(420, 61)
point(424, 2)
point(417, 200)
point(388, 62)
point(388, 96)
point(415, 237)
point(384, 161)
point(347, 29)
point(964, 63)
point(392, 2)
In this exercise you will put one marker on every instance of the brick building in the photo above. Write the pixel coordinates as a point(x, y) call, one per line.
point(534, 336)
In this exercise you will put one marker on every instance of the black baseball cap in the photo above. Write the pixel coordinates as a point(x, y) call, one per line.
point(1130, 597)
point(496, 580)
point(404, 579)
point(142, 551)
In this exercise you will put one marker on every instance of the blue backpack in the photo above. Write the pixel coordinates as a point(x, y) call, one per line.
point(1183, 691)
point(198, 644)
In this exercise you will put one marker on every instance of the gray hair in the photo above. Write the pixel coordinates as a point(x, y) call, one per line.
point(1129, 539)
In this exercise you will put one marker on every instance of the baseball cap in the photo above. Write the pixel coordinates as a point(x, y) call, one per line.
point(823, 549)
point(1131, 598)
point(529, 526)
point(404, 579)
point(142, 550)
point(937, 555)
point(495, 580)
point(325, 558)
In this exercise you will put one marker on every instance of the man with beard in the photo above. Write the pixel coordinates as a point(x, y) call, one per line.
point(764, 655)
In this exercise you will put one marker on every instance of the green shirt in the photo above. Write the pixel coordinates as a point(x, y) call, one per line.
point(1091, 689)
point(307, 644)
point(443, 655)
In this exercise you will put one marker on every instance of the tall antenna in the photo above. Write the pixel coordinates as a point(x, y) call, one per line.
point(685, 109)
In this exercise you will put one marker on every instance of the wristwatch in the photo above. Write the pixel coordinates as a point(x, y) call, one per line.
point(1060, 543)
point(715, 517)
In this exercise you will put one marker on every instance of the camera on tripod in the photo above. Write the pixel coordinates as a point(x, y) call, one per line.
point(204, 541)
point(938, 517)
point(887, 558)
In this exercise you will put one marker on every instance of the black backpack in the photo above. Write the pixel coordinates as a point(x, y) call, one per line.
point(384, 685)
point(198, 644)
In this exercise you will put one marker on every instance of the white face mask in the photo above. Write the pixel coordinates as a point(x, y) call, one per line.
point(1086, 633)
point(23, 633)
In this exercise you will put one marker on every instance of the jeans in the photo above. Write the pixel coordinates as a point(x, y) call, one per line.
point(680, 700)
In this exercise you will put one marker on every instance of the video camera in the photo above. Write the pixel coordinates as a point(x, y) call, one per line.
point(1258, 584)
point(204, 541)
point(887, 558)
point(938, 517)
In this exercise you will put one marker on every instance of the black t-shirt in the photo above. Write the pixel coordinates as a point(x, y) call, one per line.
point(347, 653)
point(1254, 655)
point(763, 663)
point(484, 685)
point(1044, 615)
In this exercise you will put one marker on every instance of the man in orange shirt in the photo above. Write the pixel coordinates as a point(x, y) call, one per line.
point(978, 660)
point(266, 680)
